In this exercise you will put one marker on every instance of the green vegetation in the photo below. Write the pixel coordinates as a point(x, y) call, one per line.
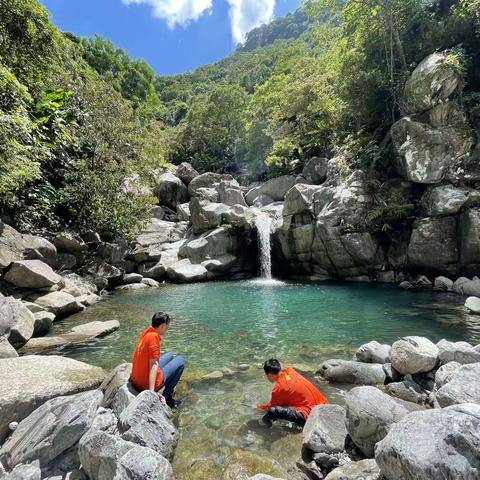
point(78, 116)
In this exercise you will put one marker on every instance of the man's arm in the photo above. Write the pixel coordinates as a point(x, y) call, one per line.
point(279, 398)
point(152, 377)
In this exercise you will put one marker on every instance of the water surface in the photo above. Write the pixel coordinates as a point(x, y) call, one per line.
point(224, 324)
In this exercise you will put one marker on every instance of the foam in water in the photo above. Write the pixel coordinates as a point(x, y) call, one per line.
point(263, 224)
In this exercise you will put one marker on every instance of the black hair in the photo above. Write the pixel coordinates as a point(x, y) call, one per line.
point(272, 366)
point(160, 318)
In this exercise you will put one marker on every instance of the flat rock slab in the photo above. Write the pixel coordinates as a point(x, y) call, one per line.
point(28, 382)
point(80, 334)
point(32, 274)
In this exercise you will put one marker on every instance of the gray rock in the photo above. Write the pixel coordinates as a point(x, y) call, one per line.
point(239, 216)
point(43, 323)
point(229, 194)
point(32, 274)
point(77, 286)
point(105, 421)
point(206, 215)
point(48, 432)
point(89, 299)
point(160, 232)
point(469, 234)
point(183, 212)
point(405, 285)
point(170, 190)
point(325, 430)
point(407, 390)
point(461, 352)
point(463, 387)
point(414, 355)
point(262, 200)
point(112, 253)
point(208, 194)
point(28, 382)
point(69, 243)
point(361, 470)
point(133, 287)
point(19, 320)
point(299, 199)
point(373, 352)
point(433, 82)
point(6, 349)
point(443, 284)
point(124, 396)
point(150, 282)
point(370, 415)
point(146, 422)
point(152, 270)
point(433, 246)
point(132, 278)
point(186, 172)
point(406, 452)
point(261, 476)
point(471, 288)
point(61, 304)
point(275, 188)
point(113, 381)
point(472, 304)
point(208, 181)
point(445, 373)
point(315, 170)
point(143, 463)
point(346, 371)
point(443, 200)
point(184, 271)
point(458, 285)
point(96, 329)
point(24, 472)
point(66, 261)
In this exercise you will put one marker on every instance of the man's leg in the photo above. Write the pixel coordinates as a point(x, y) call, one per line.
point(283, 413)
point(164, 359)
point(172, 372)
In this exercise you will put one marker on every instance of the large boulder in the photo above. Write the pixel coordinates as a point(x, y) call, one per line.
point(50, 431)
point(439, 443)
point(118, 377)
point(32, 274)
point(325, 430)
point(414, 355)
point(43, 323)
point(69, 243)
point(443, 200)
point(362, 470)
point(373, 352)
point(469, 235)
point(17, 322)
point(460, 352)
point(472, 304)
point(435, 80)
point(206, 215)
point(407, 390)
point(463, 386)
point(28, 382)
point(209, 181)
point(299, 199)
point(230, 194)
point(184, 271)
point(370, 415)
point(77, 286)
point(275, 188)
point(186, 173)
point(433, 246)
point(159, 232)
point(147, 422)
point(61, 304)
point(430, 155)
point(347, 371)
point(445, 373)
point(315, 170)
point(170, 190)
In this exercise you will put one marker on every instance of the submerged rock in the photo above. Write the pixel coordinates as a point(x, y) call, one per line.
point(407, 451)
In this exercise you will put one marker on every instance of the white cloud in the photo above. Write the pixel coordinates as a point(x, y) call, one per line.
point(176, 12)
point(248, 14)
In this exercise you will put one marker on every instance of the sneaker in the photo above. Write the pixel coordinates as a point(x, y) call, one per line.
point(172, 403)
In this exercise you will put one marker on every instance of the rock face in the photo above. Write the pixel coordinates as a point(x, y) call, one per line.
point(463, 386)
point(31, 274)
point(453, 431)
point(370, 415)
point(28, 382)
point(414, 355)
point(373, 352)
point(346, 371)
point(146, 422)
point(325, 430)
point(50, 431)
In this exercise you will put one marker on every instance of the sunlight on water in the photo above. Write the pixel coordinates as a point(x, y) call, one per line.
point(225, 324)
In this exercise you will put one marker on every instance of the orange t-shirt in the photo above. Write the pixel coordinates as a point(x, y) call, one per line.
point(147, 348)
point(293, 390)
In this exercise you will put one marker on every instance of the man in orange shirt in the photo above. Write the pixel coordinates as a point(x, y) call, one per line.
point(150, 371)
point(293, 396)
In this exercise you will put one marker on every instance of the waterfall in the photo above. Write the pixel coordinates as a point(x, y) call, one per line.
point(263, 224)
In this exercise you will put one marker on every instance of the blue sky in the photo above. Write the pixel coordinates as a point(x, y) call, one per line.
point(173, 36)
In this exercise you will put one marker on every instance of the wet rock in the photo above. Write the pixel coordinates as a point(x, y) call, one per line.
point(361, 470)
point(373, 352)
point(462, 387)
point(28, 382)
point(32, 274)
point(133, 287)
point(146, 422)
point(405, 285)
point(170, 190)
point(315, 170)
point(184, 271)
point(346, 371)
point(186, 172)
point(473, 305)
point(423, 282)
point(66, 261)
point(213, 376)
point(325, 430)
point(414, 355)
point(443, 284)
point(275, 188)
point(453, 431)
point(51, 430)
point(43, 323)
point(89, 299)
point(461, 352)
point(370, 415)
point(407, 390)
point(242, 464)
point(24, 472)
point(433, 82)
point(310, 469)
point(61, 304)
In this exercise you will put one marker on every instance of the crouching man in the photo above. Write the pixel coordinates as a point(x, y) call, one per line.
point(293, 396)
point(152, 371)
